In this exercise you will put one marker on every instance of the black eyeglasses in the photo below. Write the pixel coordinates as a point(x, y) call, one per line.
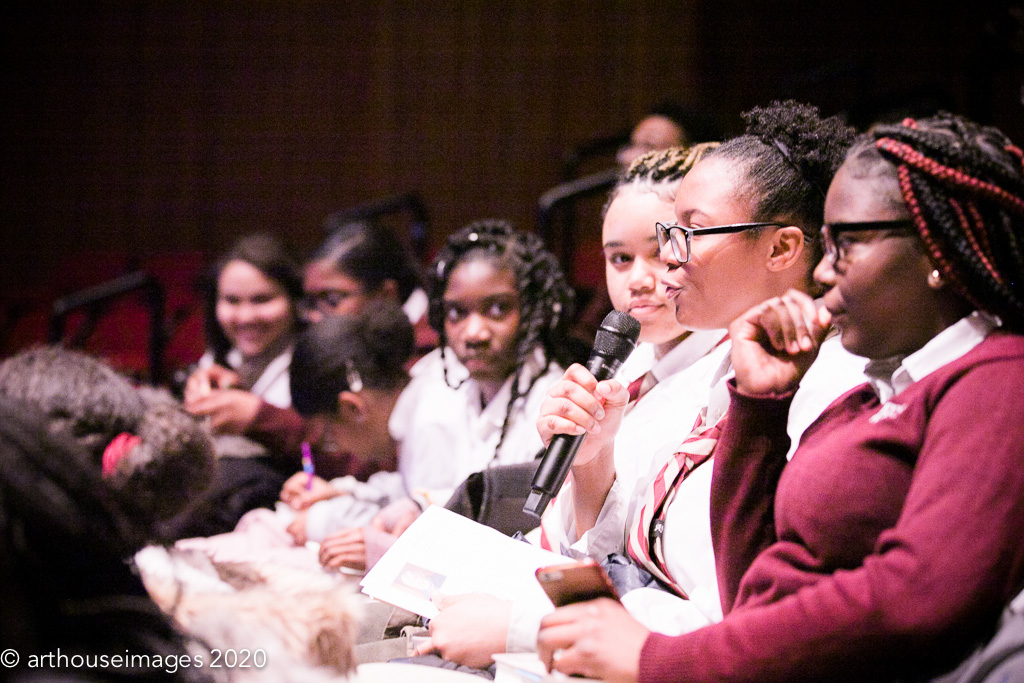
point(835, 247)
point(679, 235)
point(325, 302)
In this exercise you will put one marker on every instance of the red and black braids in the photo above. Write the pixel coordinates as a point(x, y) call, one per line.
point(964, 186)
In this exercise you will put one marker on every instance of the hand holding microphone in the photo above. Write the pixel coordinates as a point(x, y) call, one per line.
point(574, 403)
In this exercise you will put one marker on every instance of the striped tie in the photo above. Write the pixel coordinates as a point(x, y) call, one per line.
point(645, 539)
point(639, 387)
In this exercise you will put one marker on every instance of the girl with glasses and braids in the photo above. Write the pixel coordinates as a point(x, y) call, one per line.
point(501, 307)
point(887, 548)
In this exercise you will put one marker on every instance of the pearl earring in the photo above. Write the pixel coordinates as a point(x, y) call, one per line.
point(935, 279)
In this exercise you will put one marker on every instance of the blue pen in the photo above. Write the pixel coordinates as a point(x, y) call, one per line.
point(307, 464)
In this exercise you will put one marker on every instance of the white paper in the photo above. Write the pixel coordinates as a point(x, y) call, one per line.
point(526, 667)
point(445, 552)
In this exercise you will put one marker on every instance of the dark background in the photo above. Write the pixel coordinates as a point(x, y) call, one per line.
point(154, 133)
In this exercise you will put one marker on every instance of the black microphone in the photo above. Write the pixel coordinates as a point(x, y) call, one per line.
point(616, 338)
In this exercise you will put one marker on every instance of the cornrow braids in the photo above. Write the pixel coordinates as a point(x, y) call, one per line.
point(546, 301)
point(789, 154)
point(963, 184)
point(660, 171)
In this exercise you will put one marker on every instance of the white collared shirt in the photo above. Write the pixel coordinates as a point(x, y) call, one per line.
point(444, 434)
point(890, 376)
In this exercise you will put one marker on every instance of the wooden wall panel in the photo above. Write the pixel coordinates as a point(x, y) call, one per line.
point(148, 127)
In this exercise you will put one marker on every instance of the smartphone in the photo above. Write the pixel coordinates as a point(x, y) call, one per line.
point(576, 582)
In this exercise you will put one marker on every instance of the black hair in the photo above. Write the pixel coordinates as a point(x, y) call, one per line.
point(371, 348)
point(269, 256)
point(89, 402)
point(64, 541)
point(963, 184)
point(370, 254)
point(788, 156)
point(546, 301)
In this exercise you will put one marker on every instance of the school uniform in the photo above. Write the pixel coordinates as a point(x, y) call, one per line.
point(444, 434)
point(687, 558)
point(887, 547)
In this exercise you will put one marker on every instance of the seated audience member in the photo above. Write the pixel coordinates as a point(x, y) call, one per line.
point(360, 264)
point(70, 597)
point(644, 194)
point(888, 546)
point(667, 124)
point(154, 458)
point(347, 373)
point(501, 305)
point(252, 320)
point(751, 210)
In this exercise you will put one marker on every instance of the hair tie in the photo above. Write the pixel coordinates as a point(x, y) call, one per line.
point(784, 151)
point(117, 449)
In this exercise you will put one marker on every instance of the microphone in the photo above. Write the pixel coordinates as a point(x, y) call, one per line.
point(616, 338)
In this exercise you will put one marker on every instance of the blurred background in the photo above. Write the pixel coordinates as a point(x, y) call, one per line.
point(144, 137)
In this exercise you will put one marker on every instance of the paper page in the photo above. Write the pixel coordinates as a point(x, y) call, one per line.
point(526, 667)
point(444, 551)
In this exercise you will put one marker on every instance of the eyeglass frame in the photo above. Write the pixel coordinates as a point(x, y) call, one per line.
point(321, 302)
point(835, 253)
point(664, 233)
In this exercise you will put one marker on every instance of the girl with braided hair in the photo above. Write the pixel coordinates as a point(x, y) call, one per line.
point(887, 548)
point(468, 629)
point(501, 307)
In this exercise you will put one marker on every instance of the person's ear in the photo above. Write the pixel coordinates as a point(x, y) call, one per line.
point(352, 407)
point(787, 246)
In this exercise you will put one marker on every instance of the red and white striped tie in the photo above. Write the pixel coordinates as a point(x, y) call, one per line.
point(645, 538)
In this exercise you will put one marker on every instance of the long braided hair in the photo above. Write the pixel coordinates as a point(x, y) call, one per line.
point(789, 154)
point(963, 184)
point(546, 301)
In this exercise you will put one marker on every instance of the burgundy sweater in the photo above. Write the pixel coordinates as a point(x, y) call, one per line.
point(886, 547)
point(282, 430)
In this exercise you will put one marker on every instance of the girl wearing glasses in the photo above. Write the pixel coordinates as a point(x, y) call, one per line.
point(473, 627)
point(359, 265)
point(745, 217)
point(889, 545)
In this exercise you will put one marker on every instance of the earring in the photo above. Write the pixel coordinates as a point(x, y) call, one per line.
point(935, 279)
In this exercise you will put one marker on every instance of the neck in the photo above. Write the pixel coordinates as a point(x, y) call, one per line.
point(371, 436)
point(488, 390)
point(660, 350)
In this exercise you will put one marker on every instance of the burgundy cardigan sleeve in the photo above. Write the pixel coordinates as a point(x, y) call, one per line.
point(749, 459)
point(281, 430)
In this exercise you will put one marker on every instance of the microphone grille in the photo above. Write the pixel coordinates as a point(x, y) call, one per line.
point(617, 335)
